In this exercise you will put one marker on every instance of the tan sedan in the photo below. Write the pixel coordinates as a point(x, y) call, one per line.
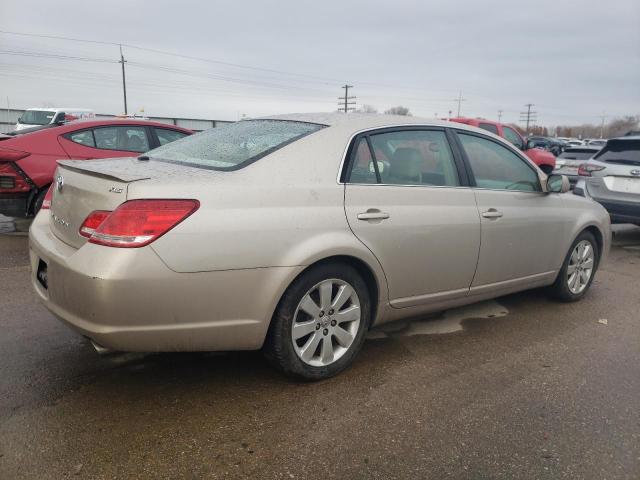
point(296, 234)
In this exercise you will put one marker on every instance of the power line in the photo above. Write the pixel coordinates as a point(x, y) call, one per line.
point(53, 55)
point(345, 105)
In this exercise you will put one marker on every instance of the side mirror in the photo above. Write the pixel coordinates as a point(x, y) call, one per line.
point(558, 184)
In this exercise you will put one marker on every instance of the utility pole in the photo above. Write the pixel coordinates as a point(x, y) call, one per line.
point(499, 115)
point(459, 100)
point(345, 101)
point(449, 117)
point(528, 117)
point(124, 81)
point(603, 117)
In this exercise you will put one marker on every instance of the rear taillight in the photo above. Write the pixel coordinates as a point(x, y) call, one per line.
point(10, 155)
point(585, 169)
point(46, 202)
point(137, 223)
point(12, 179)
point(93, 221)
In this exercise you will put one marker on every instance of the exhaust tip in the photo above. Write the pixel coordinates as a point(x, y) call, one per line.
point(100, 350)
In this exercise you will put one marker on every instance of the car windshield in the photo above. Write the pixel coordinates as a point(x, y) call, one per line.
point(620, 151)
point(233, 146)
point(37, 117)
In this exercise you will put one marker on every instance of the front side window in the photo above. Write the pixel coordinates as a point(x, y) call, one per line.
point(416, 157)
point(512, 136)
point(127, 138)
point(84, 137)
point(496, 167)
point(235, 145)
point(167, 136)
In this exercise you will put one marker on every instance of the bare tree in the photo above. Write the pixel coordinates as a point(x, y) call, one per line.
point(399, 110)
point(367, 109)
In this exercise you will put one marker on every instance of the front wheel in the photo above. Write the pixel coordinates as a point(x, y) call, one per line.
point(578, 269)
point(320, 323)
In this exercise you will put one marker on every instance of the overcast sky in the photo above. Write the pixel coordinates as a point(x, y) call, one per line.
point(573, 60)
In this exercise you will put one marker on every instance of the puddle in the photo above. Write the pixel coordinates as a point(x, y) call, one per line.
point(448, 322)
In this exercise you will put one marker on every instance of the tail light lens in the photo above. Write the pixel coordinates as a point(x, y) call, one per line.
point(92, 222)
point(12, 179)
point(46, 202)
point(137, 223)
point(585, 169)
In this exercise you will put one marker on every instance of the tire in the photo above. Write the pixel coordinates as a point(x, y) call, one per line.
point(561, 289)
point(286, 353)
point(37, 203)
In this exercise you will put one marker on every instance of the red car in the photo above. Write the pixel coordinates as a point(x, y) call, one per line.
point(28, 157)
point(544, 159)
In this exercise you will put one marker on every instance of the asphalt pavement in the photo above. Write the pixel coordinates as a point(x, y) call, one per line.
point(521, 387)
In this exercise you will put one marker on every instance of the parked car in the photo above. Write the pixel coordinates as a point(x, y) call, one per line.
point(547, 143)
point(298, 233)
point(572, 157)
point(28, 157)
point(36, 117)
point(575, 143)
point(612, 178)
point(597, 142)
point(545, 160)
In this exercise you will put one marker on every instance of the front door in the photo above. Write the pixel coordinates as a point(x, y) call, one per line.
point(405, 200)
point(520, 223)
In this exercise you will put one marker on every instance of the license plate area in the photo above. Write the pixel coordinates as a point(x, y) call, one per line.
point(41, 274)
point(623, 184)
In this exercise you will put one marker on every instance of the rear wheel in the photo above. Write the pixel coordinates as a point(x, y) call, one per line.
point(578, 269)
point(320, 323)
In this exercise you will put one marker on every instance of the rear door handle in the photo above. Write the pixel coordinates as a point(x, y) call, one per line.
point(372, 214)
point(492, 213)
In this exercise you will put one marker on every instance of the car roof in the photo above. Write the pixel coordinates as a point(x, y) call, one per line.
point(356, 122)
point(97, 122)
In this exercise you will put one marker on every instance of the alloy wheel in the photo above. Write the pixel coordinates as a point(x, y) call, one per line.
point(326, 322)
point(580, 267)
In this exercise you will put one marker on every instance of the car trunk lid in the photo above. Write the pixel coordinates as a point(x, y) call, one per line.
point(80, 187)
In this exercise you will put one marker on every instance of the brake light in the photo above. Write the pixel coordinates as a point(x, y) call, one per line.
point(93, 221)
point(137, 223)
point(46, 202)
point(12, 179)
point(11, 155)
point(585, 169)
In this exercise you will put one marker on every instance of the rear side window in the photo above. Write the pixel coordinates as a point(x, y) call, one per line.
point(512, 136)
point(83, 138)
point(489, 127)
point(126, 138)
point(417, 157)
point(496, 167)
point(624, 152)
point(235, 145)
point(167, 136)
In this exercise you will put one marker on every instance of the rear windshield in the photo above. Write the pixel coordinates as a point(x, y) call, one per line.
point(620, 151)
point(37, 117)
point(235, 145)
point(578, 153)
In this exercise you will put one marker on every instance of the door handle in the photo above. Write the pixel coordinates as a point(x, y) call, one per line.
point(373, 214)
point(492, 213)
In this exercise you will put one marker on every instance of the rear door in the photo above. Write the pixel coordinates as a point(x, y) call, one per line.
point(406, 199)
point(520, 223)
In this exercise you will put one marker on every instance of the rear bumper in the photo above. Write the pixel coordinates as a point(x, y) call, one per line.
point(619, 211)
point(14, 205)
point(129, 300)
